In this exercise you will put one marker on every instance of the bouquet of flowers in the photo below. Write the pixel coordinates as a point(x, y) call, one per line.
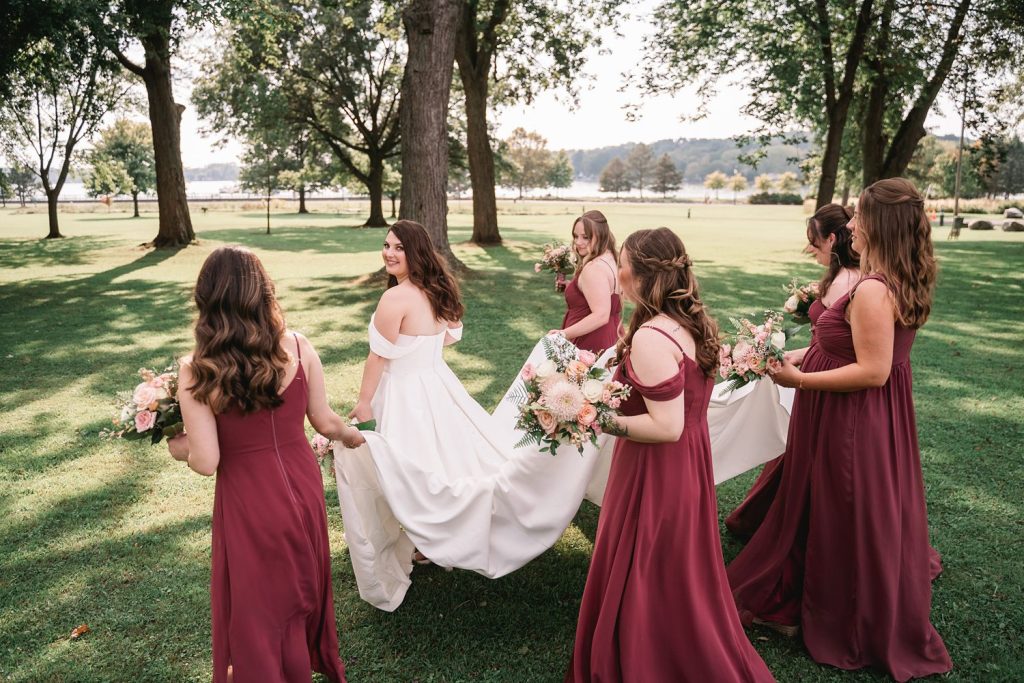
point(798, 305)
point(566, 398)
point(558, 258)
point(755, 351)
point(151, 411)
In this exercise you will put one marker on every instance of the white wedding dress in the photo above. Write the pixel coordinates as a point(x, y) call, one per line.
point(442, 475)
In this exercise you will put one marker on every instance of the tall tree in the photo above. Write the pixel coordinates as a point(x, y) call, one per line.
point(737, 183)
point(507, 51)
point(158, 27)
point(803, 59)
point(129, 144)
point(529, 159)
point(876, 64)
point(300, 71)
point(614, 178)
point(667, 177)
point(430, 28)
point(23, 181)
point(6, 191)
point(560, 174)
point(764, 183)
point(715, 180)
point(60, 98)
point(640, 165)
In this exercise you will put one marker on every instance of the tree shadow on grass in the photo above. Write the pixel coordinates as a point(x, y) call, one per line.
point(34, 253)
point(337, 239)
point(55, 332)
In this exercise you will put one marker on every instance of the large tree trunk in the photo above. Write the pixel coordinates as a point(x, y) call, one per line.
point(51, 210)
point(838, 99)
point(376, 189)
point(430, 27)
point(302, 199)
point(135, 204)
point(165, 120)
point(475, 80)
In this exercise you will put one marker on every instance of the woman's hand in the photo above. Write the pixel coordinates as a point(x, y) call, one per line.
point(352, 438)
point(787, 376)
point(796, 356)
point(178, 447)
point(362, 412)
point(560, 333)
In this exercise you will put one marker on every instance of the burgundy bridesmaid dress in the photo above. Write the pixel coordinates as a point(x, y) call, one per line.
point(748, 516)
point(270, 587)
point(745, 519)
point(843, 550)
point(656, 606)
point(577, 309)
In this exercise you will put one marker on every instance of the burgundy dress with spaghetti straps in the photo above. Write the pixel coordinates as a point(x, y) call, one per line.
point(270, 585)
point(748, 516)
point(657, 606)
point(577, 309)
point(843, 550)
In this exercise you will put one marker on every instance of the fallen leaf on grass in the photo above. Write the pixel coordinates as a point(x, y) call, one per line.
point(79, 631)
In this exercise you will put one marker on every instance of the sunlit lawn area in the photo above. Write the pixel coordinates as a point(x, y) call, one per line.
point(117, 535)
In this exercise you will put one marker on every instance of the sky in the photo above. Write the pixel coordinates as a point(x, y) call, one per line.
point(598, 119)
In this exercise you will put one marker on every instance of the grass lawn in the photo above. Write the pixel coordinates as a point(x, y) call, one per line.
point(116, 535)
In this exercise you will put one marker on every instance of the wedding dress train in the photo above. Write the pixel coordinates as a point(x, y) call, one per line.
point(442, 475)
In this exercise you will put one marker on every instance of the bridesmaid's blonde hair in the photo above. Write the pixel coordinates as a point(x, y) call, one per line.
point(595, 228)
point(897, 239)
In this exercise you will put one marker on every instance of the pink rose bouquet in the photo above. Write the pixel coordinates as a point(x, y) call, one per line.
point(150, 411)
point(566, 398)
point(754, 351)
point(558, 258)
point(798, 305)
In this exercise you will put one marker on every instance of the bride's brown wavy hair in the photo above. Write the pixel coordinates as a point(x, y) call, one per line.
point(238, 359)
point(664, 283)
point(428, 271)
point(897, 239)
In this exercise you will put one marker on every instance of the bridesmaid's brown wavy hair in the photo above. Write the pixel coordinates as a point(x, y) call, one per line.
point(833, 219)
point(897, 239)
point(428, 271)
point(238, 360)
point(665, 283)
point(595, 227)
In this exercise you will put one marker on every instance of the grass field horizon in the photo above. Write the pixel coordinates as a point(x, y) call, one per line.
point(116, 535)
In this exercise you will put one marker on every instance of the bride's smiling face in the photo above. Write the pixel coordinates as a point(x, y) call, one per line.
point(393, 253)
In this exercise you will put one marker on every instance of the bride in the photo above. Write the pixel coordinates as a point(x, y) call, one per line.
point(440, 473)
point(440, 477)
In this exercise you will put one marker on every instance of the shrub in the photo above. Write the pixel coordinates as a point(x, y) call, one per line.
point(775, 198)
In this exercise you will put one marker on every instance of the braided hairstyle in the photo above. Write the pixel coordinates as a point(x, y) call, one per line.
point(664, 283)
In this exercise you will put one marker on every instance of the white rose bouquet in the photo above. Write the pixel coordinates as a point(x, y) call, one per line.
point(566, 398)
point(798, 305)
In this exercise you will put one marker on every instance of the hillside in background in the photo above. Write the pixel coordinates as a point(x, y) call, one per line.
point(695, 158)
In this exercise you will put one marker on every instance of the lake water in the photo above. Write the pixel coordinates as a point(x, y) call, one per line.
point(227, 189)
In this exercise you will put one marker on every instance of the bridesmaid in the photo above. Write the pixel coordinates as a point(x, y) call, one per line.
point(594, 308)
point(244, 394)
point(656, 606)
point(843, 551)
point(828, 241)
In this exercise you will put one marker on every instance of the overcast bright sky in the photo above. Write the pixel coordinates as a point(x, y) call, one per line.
point(598, 120)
